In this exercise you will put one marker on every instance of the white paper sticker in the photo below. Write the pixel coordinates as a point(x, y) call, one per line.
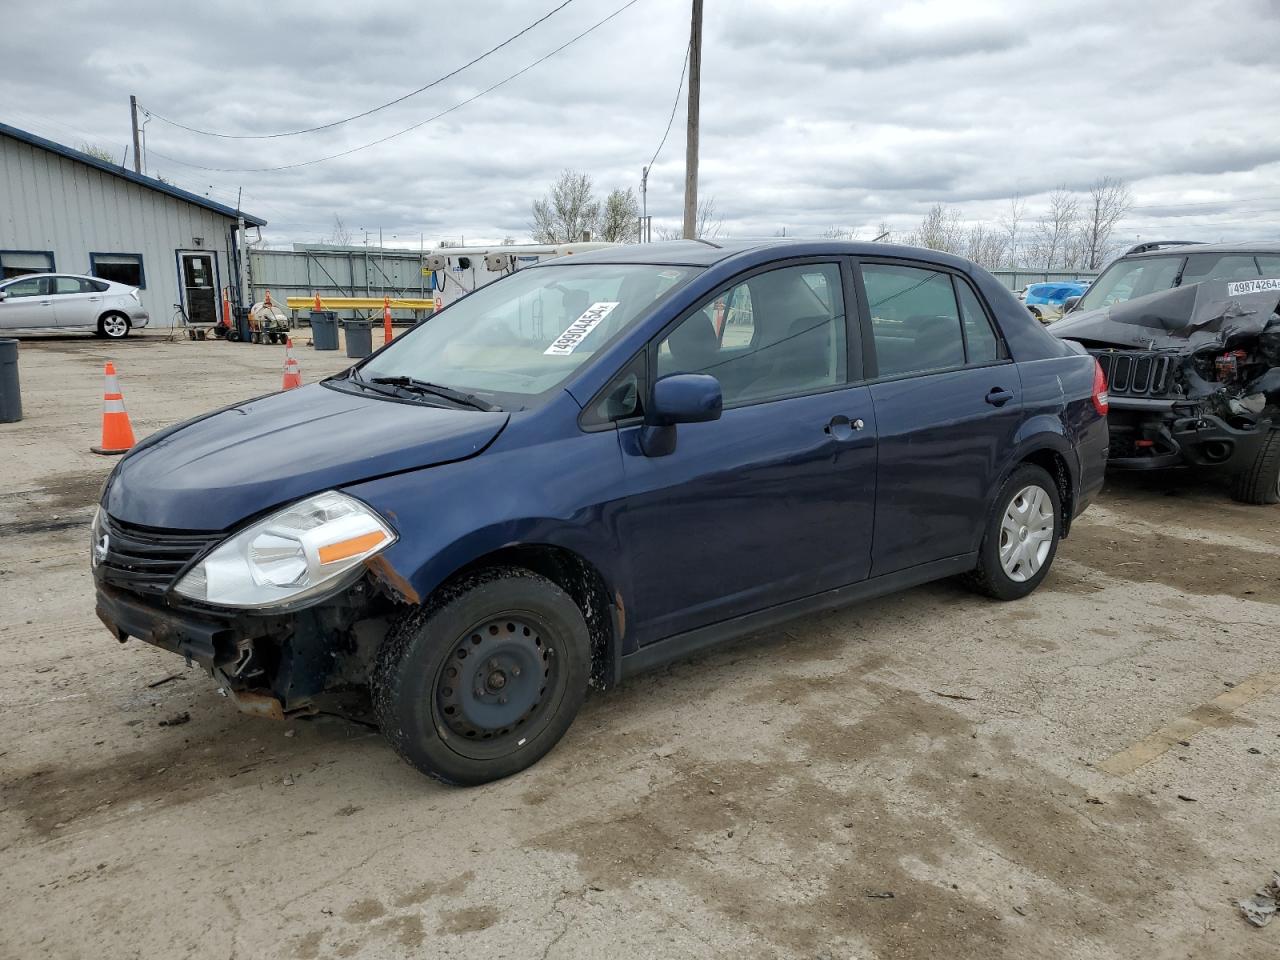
point(577, 331)
point(1252, 286)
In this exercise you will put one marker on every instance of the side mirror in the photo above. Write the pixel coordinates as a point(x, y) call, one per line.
point(4, 294)
point(1069, 304)
point(681, 398)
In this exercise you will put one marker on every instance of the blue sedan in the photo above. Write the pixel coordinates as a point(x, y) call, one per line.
point(597, 465)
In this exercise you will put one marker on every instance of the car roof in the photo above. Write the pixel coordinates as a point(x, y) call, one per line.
point(1253, 246)
point(706, 253)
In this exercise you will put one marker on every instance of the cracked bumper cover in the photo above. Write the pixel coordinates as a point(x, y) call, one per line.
point(1200, 440)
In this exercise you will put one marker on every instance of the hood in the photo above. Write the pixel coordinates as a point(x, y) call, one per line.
point(1213, 313)
point(213, 472)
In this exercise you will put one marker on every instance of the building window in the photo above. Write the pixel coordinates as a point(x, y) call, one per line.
point(123, 268)
point(18, 263)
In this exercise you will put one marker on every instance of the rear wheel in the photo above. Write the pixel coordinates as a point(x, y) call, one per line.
point(1260, 484)
point(1022, 536)
point(113, 326)
point(485, 679)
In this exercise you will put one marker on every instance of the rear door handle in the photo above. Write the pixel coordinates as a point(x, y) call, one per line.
point(999, 396)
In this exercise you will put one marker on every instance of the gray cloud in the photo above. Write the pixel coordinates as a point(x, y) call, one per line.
point(815, 112)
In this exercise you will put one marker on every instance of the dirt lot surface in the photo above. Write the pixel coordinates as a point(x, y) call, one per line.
point(1091, 772)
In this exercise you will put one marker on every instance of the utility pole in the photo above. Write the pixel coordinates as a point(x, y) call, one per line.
point(691, 139)
point(644, 201)
point(133, 115)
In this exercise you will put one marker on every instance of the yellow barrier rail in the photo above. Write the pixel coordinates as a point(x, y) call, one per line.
point(357, 303)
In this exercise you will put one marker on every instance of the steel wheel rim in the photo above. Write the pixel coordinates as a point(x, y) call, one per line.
point(499, 685)
point(114, 326)
point(1026, 533)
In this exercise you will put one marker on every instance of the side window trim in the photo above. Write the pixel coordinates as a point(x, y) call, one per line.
point(956, 281)
point(838, 261)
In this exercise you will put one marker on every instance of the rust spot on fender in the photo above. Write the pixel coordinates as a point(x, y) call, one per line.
point(387, 575)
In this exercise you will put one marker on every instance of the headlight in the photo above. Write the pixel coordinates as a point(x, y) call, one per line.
point(309, 548)
point(97, 542)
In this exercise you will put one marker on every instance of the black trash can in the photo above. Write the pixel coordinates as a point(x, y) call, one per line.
point(359, 338)
point(10, 395)
point(324, 329)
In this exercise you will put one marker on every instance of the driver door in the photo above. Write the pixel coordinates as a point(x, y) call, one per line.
point(27, 303)
point(774, 501)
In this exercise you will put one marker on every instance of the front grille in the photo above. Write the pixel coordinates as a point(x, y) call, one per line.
point(1136, 373)
point(146, 561)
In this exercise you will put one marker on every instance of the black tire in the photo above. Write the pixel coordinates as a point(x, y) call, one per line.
point(114, 326)
point(442, 670)
point(990, 577)
point(1260, 484)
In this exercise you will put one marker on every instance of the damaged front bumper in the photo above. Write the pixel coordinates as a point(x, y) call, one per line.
point(1154, 435)
point(271, 666)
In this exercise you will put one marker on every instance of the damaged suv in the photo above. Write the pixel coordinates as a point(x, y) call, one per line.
point(1189, 340)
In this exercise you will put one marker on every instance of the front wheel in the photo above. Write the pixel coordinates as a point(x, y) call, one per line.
point(485, 679)
point(1260, 484)
point(1022, 535)
point(114, 326)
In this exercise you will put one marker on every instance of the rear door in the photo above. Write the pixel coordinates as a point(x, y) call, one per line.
point(774, 500)
point(947, 404)
point(75, 302)
point(27, 303)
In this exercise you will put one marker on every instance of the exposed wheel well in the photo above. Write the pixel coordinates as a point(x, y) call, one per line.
point(1055, 464)
point(576, 577)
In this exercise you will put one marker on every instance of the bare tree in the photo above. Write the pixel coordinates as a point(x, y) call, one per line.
point(97, 152)
point(620, 222)
point(339, 236)
point(1011, 227)
point(940, 229)
point(1108, 201)
point(840, 233)
point(985, 246)
point(882, 233)
point(1055, 229)
point(567, 212)
point(708, 226)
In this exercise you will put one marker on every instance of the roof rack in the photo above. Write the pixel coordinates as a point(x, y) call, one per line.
point(1159, 245)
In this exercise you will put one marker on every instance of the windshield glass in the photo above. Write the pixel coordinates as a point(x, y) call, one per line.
point(523, 335)
point(1126, 279)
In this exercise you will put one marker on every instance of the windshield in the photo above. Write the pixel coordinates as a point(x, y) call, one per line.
point(522, 336)
point(1127, 279)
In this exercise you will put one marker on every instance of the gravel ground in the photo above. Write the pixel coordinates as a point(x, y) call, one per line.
point(1091, 772)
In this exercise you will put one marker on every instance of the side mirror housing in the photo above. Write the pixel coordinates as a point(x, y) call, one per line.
point(1069, 304)
point(4, 294)
point(680, 398)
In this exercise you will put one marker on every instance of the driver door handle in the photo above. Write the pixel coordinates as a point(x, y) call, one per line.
point(999, 396)
point(842, 428)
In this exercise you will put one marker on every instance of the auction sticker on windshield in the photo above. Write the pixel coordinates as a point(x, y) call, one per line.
point(577, 331)
point(1252, 286)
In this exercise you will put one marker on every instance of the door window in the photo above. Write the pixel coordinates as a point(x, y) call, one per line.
point(35, 287)
point(980, 340)
point(779, 333)
point(914, 319)
point(65, 285)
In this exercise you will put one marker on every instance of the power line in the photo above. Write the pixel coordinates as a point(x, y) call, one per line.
point(1204, 203)
point(421, 123)
point(674, 106)
point(366, 113)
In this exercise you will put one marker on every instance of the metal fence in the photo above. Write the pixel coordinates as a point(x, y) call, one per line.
point(1018, 277)
point(338, 273)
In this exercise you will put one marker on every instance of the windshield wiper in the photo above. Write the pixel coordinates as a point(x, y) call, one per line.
point(436, 390)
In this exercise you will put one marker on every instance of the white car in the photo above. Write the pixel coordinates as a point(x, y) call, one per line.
point(67, 301)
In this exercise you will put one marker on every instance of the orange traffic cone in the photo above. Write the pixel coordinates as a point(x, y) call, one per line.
point(386, 320)
point(292, 372)
point(317, 306)
point(117, 432)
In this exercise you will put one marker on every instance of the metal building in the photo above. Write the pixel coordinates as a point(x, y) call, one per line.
point(66, 211)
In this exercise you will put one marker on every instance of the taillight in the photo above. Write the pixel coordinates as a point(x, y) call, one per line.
point(1101, 401)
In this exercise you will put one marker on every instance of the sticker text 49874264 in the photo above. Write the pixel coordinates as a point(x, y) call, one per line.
point(577, 331)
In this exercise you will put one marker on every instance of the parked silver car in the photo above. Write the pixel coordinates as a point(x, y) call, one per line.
point(65, 301)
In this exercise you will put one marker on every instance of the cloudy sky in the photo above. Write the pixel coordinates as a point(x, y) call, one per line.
point(816, 113)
